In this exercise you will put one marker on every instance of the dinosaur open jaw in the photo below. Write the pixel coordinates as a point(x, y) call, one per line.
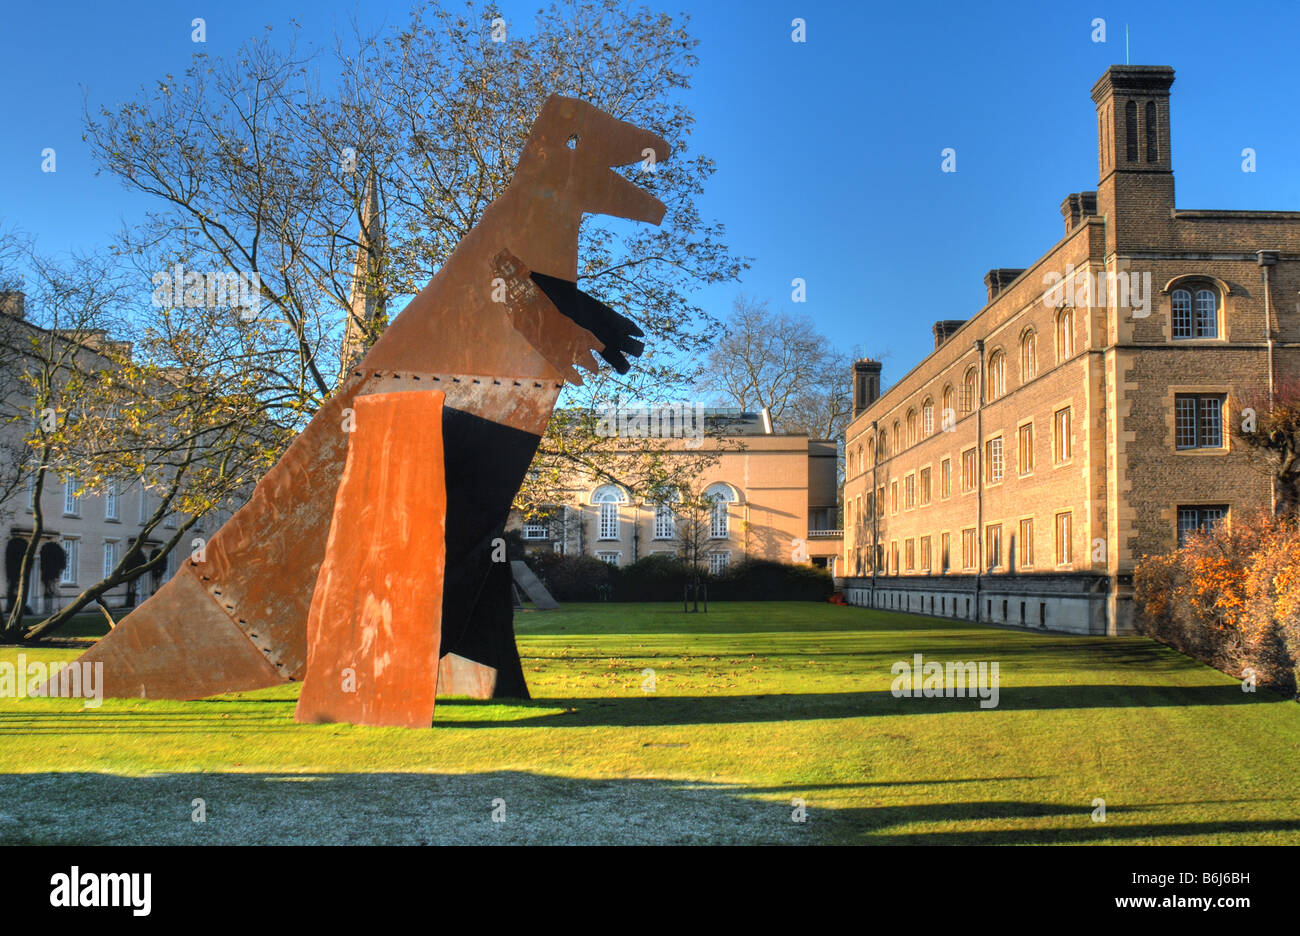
point(629, 200)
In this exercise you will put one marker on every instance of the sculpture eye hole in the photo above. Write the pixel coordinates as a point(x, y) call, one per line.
point(572, 141)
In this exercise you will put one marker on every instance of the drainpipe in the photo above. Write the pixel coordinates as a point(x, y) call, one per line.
point(875, 506)
point(979, 474)
point(1267, 259)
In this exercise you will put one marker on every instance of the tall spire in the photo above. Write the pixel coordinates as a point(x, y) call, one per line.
point(366, 300)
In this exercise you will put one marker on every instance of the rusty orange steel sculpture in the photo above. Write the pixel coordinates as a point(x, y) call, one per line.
point(364, 557)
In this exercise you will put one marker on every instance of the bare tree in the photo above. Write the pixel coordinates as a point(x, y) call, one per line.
point(779, 362)
point(173, 412)
point(255, 166)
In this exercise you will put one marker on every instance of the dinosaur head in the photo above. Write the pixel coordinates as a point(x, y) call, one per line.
point(571, 155)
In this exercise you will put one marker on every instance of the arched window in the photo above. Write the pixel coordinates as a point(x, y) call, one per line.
point(949, 413)
point(927, 417)
point(722, 495)
point(1028, 355)
point(1064, 335)
point(911, 427)
point(969, 390)
point(861, 465)
point(882, 446)
point(608, 497)
point(895, 438)
point(997, 375)
point(666, 517)
point(1195, 313)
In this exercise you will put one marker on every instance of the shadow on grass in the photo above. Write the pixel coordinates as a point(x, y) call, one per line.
point(643, 711)
point(662, 709)
point(423, 808)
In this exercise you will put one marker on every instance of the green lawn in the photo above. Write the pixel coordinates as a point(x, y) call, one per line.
point(755, 704)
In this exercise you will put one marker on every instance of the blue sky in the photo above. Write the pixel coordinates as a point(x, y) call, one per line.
point(828, 151)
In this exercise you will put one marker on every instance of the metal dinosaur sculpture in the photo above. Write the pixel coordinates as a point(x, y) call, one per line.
point(448, 408)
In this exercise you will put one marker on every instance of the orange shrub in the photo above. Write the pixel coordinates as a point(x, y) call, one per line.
point(1230, 597)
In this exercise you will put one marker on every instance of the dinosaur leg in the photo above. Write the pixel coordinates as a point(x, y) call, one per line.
point(372, 656)
point(487, 646)
point(486, 462)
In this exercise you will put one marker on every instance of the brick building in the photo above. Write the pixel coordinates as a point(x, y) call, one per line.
point(1082, 418)
point(775, 498)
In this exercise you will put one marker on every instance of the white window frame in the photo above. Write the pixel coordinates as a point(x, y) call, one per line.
point(110, 556)
point(612, 557)
point(71, 549)
point(665, 522)
point(71, 502)
point(110, 500)
point(719, 561)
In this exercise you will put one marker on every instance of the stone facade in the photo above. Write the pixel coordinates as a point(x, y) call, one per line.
point(1087, 409)
point(777, 500)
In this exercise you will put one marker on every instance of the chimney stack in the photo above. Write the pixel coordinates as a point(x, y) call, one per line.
point(944, 329)
point(1076, 207)
point(999, 280)
point(866, 385)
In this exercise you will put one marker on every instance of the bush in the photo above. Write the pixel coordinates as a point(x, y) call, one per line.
point(663, 578)
point(1229, 598)
point(765, 580)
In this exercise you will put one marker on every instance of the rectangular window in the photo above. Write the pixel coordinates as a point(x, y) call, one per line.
point(169, 521)
point(666, 520)
point(1198, 421)
point(893, 557)
point(609, 521)
point(1025, 543)
point(69, 576)
point(536, 529)
point(943, 552)
point(945, 478)
point(31, 492)
point(893, 497)
point(993, 455)
point(969, 549)
point(909, 554)
point(880, 501)
point(609, 557)
point(1064, 538)
point(721, 528)
point(993, 545)
point(969, 468)
point(925, 486)
point(1062, 440)
point(1192, 519)
point(719, 562)
point(1025, 449)
point(110, 557)
point(110, 500)
point(909, 487)
point(925, 554)
point(144, 505)
point(71, 502)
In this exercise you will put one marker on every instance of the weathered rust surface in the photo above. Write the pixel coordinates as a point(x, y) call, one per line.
point(458, 676)
point(522, 403)
point(180, 645)
point(374, 627)
point(261, 567)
